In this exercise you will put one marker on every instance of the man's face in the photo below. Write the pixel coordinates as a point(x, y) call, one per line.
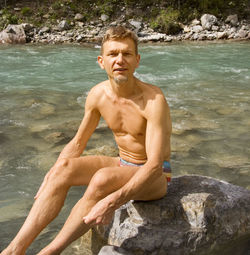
point(119, 59)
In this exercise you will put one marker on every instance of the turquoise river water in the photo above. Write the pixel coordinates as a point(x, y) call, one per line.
point(42, 94)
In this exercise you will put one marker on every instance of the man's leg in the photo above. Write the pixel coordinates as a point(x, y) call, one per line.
point(65, 173)
point(104, 182)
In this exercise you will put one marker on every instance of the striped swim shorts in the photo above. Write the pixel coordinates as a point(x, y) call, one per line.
point(166, 167)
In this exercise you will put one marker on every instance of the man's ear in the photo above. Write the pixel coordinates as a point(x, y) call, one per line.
point(138, 58)
point(100, 61)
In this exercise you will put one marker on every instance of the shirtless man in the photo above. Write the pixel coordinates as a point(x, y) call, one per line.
point(139, 117)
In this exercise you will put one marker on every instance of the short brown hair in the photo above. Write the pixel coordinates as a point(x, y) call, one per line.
point(120, 32)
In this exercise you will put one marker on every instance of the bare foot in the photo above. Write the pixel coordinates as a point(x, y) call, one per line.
point(12, 251)
point(48, 251)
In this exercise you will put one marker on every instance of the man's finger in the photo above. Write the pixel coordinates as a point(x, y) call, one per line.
point(87, 221)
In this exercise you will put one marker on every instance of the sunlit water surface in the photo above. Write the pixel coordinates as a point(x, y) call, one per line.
point(42, 95)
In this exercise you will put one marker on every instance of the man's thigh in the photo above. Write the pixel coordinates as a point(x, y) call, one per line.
point(83, 168)
point(117, 177)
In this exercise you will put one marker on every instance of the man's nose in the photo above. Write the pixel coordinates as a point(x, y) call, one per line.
point(120, 58)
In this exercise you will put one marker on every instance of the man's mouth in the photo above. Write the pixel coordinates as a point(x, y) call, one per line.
point(120, 69)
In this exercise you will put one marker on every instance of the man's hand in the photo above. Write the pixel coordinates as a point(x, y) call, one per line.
point(101, 213)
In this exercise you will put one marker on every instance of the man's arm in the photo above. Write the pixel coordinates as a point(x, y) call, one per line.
point(76, 146)
point(88, 125)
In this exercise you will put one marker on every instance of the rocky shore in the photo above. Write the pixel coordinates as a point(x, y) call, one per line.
point(209, 27)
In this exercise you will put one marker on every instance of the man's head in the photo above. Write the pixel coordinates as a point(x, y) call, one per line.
point(119, 56)
point(120, 33)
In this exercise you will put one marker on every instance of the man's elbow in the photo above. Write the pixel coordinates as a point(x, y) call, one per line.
point(157, 169)
point(78, 145)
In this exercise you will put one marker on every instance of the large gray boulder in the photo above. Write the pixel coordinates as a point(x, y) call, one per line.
point(199, 215)
point(232, 19)
point(207, 21)
point(13, 34)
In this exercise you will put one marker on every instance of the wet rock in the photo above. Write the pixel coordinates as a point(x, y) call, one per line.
point(232, 19)
point(242, 34)
point(38, 127)
point(215, 28)
point(136, 24)
point(197, 29)
point(13, 34)
point(184, 143)
point(104, 17)
point(186, 29)
point(221, 35)
point(47, 109)
point(208, 20)
point(63, 25)
point(153, 38)
point(199, 215)
point(79, 38)
point(56, 138)
point(11, 211)
point(195, 22)
point(211, 36)
point(45, 161)
point(105, 150)
point(27, 27)
point(202, 37)
point(79, 17)
point(113, 250)
point(3, 138)
point(44, 30)
point(229, 161)
point(188, 36)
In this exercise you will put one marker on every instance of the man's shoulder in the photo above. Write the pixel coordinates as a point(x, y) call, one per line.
point(97, 91)
point(154, 98)
point(151, 91)
point(96, 94)
point(98, 88)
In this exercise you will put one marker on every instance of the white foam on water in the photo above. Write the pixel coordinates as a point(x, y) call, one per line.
point(234, 70)
point(10, 122)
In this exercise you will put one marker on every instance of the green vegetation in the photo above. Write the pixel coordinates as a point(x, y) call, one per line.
point(166, 21)
point(163, 15)
point(26, 11)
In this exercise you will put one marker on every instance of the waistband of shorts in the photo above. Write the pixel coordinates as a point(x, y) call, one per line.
point(123, 162)
point(166, 167)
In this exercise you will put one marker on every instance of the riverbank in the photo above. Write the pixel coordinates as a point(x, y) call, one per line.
point(208, 27)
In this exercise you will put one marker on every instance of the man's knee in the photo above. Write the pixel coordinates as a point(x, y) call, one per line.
point(101, 183)
point(61, 172)
point(101, 178)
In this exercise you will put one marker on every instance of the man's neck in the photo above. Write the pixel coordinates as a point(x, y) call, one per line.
point(124, 89)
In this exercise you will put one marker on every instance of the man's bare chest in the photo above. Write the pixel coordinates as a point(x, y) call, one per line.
point(124, 118)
